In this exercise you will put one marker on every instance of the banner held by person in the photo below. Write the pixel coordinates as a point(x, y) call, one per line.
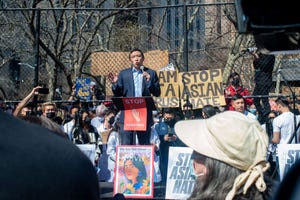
point(83, 88)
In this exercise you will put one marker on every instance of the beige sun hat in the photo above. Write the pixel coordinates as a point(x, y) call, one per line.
point(233, 138)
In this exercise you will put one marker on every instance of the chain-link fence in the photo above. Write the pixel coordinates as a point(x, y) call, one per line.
point(52, 46)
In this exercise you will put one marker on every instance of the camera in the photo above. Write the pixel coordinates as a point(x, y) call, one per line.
point(251, 49)
point(43, 90)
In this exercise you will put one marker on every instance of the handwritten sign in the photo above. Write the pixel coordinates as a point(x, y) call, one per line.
point(83, 88)
point(203, 87)
point(169, 87)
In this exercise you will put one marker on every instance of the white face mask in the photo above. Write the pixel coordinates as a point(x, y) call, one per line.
point(193, 174)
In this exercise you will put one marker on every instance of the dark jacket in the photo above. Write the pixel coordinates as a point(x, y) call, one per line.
point(125, 88)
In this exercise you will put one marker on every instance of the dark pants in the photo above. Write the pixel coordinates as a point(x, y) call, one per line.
point(262, 103)
point(128, 137)
point(164, 158)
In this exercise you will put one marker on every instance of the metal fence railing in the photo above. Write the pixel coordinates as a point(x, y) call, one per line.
point(54, 45)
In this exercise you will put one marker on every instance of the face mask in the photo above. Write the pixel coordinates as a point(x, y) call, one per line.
point(235, 82)
point(87, 120)
point(111, 120)
point(170, 122)
point(193, 174)
point(50, 115)
point(39, 113)
point(253, 111)
point(188, 114)
point(270, 120)
point(28, 113)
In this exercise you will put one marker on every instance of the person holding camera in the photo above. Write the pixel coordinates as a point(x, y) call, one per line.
point(263, 66)
point(23, 108)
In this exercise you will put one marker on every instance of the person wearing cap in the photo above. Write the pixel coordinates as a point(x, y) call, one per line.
point(229, 156)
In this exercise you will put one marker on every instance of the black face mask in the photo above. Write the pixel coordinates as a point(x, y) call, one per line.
point(170, 123)
point(39, 113)
point(235, 82)
point(28, 113)
point(87, 120)
point(187, 114)
point(111, 120)
point(270, 120)
point(50, 115)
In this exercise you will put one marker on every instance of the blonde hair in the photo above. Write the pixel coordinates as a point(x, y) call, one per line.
point(48, 104)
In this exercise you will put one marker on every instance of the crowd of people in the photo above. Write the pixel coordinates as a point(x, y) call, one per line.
point(230, 144)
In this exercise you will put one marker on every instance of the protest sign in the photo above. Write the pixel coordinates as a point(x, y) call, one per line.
point(82, 88)
point(169, 97)
point(287, 156)
point(180, 183)
point(134, 171)
point(135, 114)
point(89, 150)
point(202, 87)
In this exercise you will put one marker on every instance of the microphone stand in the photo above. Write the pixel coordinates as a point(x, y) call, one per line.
point(294, 107)
point(187, 100)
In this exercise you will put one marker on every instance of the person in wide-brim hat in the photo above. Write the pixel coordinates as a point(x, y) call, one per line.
point(229, 157)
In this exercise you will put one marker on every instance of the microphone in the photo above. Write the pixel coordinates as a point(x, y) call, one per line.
point(57, 90)
point(142, 68)
point(278, 71)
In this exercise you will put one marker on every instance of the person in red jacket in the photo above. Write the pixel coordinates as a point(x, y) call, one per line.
point(236, 87)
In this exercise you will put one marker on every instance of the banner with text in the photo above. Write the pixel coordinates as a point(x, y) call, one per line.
point(169, 87)
point(89, 150)
point(287, 156)
point(202, 87)
point(180, 183)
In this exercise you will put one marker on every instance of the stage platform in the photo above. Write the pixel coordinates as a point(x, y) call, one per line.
point(107, 191)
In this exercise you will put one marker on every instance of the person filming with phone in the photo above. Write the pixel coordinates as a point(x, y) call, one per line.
point(24, 107)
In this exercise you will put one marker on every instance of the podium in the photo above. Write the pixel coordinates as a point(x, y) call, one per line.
point(136, 113)
point(118, 102)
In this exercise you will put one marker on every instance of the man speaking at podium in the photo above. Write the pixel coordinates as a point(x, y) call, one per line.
point(136, 81)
